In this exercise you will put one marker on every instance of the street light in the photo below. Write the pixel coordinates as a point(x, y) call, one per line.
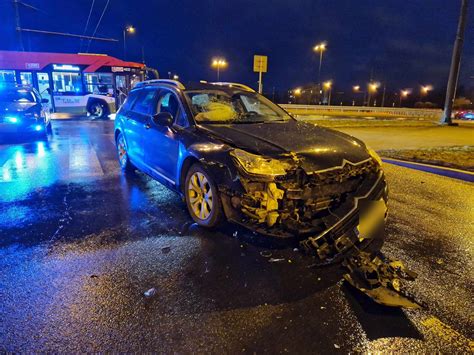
point(321, 47)
point(297, 91)
point(372, 89)
point(131, 30)
point(175, 77)
point(403, 94)
point(356, 90)
point(425, 89)
point(219, 63)
point(328, 87)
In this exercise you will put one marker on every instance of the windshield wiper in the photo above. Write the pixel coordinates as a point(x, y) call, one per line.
point(246, 121)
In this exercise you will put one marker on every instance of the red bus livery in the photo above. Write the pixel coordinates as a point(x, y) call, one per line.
point(96, 84)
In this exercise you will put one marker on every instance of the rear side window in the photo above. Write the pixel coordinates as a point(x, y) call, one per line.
point(132, 96)
point(145, 102)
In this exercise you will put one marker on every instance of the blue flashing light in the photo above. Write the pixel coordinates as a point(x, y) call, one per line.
point(38, 127)
point(12, 119)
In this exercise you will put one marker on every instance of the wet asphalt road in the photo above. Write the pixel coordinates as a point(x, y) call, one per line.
point(80, 243)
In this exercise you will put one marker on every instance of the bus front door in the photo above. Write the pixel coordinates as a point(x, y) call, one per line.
point(44, 88)
point(121, 89)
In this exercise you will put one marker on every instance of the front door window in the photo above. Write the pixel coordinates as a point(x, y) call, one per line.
point(122, 89)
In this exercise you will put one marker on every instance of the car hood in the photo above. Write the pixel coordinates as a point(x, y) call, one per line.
point(17, 107)
point(316, 147)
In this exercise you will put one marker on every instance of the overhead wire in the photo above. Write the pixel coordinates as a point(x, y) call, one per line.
point(98, 24)
point(87, 23)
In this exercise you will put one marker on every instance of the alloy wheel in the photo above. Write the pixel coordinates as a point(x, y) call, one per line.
point(122, 151)
point(200, 196)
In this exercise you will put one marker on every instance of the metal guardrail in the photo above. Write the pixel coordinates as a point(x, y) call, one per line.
point(360, 110)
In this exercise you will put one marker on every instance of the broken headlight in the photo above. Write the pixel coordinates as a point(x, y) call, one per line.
point(258, 165)
point(374, 155)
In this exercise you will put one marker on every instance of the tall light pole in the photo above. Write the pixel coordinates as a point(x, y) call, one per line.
point(321, 47)
point(424, 90)
point(455, 65)
point(372, 89)
point(356, 90)
point(218, 64)
point(403, 94)
point(131, 30)
point(328, 87)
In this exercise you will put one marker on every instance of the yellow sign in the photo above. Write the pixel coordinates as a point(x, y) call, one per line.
point(260, 63)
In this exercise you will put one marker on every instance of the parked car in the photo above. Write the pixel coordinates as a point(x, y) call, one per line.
point(464, 115)
point(22, 112)
point(233, 154)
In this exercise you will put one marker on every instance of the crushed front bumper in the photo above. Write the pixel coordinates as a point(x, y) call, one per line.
point(321, 209)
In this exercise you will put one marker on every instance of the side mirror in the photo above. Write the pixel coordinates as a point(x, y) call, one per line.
point(44, 101)
point(163, 119)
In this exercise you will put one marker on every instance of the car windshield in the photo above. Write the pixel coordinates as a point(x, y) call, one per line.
point(217, 106)
point(17, 95)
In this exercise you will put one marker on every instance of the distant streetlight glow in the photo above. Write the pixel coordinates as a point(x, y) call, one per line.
point(321, 47)
point(356, 88)
point(175, 77)
point(373, 87)
point(131, 30)
point(403, 94)
point(297, 91)
point(425, 89)
point(218, 64)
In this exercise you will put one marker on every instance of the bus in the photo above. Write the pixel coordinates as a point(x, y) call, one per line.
point(83, 83)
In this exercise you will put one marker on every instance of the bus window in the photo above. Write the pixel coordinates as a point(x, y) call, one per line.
point(67, 82)
point(26, 78)
point(98, 83)
point(7, 76)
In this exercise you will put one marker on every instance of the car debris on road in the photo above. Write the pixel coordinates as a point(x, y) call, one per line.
point(150, 293)
point(379, 278)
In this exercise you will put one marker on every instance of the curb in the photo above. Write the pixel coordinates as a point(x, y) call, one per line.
point(463, 175)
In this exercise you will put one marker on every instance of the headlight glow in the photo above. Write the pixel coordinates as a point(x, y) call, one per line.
point(374, 155)
point(12, 119)
point(258, 165)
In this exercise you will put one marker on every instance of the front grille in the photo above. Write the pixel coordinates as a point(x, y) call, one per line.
point(317, 200)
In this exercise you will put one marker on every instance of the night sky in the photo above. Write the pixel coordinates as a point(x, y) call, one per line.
point(404, 43)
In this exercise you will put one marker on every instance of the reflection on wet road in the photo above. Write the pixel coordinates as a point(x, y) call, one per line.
point(80, 243)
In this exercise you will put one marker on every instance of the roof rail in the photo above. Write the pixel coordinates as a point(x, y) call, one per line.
point(176, 83)
point(236, 85)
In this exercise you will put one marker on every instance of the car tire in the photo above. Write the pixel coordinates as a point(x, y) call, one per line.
point(98, 109)
point(202, 197)
point(124, 160)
